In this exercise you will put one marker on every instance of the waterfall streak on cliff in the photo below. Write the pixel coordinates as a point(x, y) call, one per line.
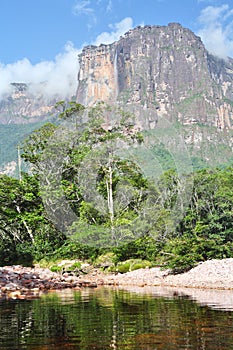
point(116, 74)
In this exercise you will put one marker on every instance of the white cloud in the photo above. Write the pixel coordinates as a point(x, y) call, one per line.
point(59, 76)
point(118, 29)
point(82, 7)
point(217, 30)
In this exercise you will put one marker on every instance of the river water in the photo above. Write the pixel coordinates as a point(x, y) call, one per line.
point(108, 318)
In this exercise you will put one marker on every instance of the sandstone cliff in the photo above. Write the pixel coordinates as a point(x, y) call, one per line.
point(166, 68)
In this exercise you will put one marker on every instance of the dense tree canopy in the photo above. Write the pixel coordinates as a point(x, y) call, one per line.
point(85, 192)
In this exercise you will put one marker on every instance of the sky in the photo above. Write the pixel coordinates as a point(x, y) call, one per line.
point(40, 39)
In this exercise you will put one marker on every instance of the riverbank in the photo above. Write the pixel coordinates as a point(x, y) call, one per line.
point(211, 274)
point(25, 282)
point(18, 282)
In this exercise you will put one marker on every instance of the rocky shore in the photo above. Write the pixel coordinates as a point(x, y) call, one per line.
point(18, 282)
point(211, 274)
point(25, 283)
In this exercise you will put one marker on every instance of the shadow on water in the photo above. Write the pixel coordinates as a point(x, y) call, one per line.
point(147, 318)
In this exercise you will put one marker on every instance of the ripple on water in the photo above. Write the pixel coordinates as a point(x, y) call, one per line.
point(108, 318)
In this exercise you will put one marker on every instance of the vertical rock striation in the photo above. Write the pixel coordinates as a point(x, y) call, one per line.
point(163, 67)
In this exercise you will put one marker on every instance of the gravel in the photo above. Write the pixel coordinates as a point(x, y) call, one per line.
point(22, 282)
point(217, 274)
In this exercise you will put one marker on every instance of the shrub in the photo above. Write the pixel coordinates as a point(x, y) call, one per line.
point(75, 250)
point(105, 260)
point(132, 264)
point(123, 267)
point(140, 264)
point(56, 268)
point(8, 253)
point(145, 248)
point(77, 265)
point(183, 253)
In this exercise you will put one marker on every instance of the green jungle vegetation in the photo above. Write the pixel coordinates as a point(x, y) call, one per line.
point(57, 212)
point(11, 135)
point(213, 149)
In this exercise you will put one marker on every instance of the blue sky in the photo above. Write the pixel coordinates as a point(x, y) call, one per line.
point(40, 39)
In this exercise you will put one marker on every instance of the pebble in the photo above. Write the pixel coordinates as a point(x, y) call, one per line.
point(27, 283)
point(211, 274)
point(18, 282)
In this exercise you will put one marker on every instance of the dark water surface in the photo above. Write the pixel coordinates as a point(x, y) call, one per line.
point(114, 319)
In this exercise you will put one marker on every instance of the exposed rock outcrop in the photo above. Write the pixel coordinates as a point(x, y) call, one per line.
point(163, 67)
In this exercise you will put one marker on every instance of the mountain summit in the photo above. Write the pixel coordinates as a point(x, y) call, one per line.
point(165, 72)
point(166, 68)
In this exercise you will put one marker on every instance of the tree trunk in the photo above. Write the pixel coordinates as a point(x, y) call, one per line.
point(110, 196)
point(29, 231)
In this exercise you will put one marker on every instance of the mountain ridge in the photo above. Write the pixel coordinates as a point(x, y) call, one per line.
point(164, 71)
point(166, 68)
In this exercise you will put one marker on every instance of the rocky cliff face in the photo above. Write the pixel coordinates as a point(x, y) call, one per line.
point(22, 107)
point(166, 68)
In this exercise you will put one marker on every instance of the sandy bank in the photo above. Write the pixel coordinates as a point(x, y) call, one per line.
point(213, 274)
point(24, 282)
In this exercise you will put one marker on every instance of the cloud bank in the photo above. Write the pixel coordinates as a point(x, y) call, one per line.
point(59, 77)
point(217, 30)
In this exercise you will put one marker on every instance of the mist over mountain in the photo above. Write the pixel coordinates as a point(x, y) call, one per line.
point(58, 77)
point(166, 69)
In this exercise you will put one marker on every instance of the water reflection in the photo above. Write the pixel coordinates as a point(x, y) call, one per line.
point(148, 318)
point(214, 298)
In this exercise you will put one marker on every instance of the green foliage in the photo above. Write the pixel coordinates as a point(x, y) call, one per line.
point(74, 250)
point(123, 267)
point(35, 144)
point(12, 253)
point(56, 268)
point(23, 223)
point(182, 253)
point(131, 265)
point(69, 109)
point(7, 252)
point(135, 208)
point(144, 248)
point(76, 265)
point(164, 157)
point(64, 267)
point(105, 260)
point(206, 230)
point(12, 135)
